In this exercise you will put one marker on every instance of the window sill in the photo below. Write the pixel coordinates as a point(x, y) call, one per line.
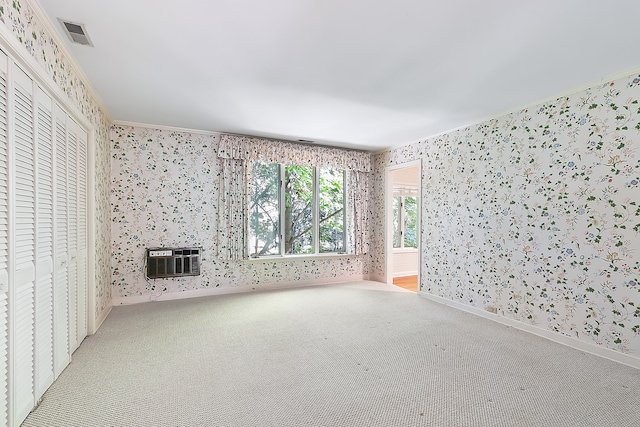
point(405, 250)
point(280, 258)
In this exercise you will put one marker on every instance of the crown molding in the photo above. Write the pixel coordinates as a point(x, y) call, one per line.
point(51, 30)
point(566, 93)
point(163, 127)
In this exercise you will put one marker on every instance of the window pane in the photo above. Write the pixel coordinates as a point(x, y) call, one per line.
point(264, 219)
point(331, 208)
point(410, 222)
point(396, 221)
point(298, 209)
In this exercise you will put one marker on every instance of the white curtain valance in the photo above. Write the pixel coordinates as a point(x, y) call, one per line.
point(272, 151)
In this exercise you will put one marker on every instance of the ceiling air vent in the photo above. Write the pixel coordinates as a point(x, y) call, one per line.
point(76, 32)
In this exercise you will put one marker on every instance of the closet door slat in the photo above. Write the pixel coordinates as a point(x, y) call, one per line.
point(44, 373)
point(81, 309)
point(72, 227)
point(61, 284)
point(22, 306)
point(4, 245)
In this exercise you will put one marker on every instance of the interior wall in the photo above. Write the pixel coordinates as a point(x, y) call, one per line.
point(164, 193)
point(534, 215)
point(405, 261)
point(23, 20)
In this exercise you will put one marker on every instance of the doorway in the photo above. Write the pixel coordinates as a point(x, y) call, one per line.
point(402, 220)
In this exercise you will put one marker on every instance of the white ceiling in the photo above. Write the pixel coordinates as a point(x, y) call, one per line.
point(364, 74)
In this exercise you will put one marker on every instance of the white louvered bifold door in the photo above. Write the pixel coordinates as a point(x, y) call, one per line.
point(72, 223)
point(21, 308)
point(43, 241)
point(4, 244)
point(61, 284)
point(44, 374)
point(81, 303)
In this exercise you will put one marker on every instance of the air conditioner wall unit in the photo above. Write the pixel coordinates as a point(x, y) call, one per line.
point(173, 262)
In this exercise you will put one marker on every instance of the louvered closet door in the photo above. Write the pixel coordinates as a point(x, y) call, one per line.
point(72, 224)
point(4, 244)
point(22, 302)
point(44, 374)
point(61, 284)
point(81, 303)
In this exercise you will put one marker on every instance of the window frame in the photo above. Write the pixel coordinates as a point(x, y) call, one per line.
point(316, 215)
point(402, 224)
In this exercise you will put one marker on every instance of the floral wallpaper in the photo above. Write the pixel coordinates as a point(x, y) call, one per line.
point(535, 215)
point(19, 18)
point(164, 193)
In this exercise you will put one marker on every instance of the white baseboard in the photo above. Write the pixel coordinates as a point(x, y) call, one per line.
point(101, 319)
point(137, 299)
point(587, 347)
point(405, 273)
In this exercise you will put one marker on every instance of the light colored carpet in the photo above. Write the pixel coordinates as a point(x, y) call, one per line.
point(361, 354)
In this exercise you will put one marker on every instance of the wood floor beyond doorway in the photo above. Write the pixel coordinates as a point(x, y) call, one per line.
point(407, 282)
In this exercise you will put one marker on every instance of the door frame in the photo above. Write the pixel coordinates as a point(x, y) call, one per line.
point(388, 219)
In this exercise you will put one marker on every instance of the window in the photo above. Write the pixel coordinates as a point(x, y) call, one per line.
point(295, 210)
point(331, 210)
point(405, 222)
point(264, 208)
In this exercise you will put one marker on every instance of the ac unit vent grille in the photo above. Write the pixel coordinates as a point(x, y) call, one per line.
point(173, 262)
point(77, 33)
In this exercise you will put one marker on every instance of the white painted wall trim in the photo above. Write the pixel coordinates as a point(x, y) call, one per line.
point(405, 273)
point(92, 322)
point(564, 93)
point(16, 51)
point(137, 299)
point(587, 347)
point(98, 322)
point(388, 217)
point(163, 127)
point(54, 32)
